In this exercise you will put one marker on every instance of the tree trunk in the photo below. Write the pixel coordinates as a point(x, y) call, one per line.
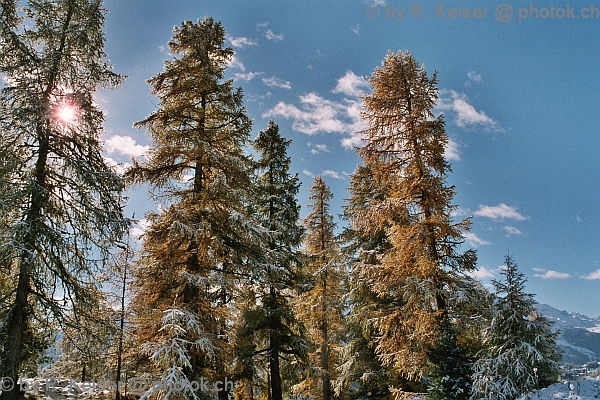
point(276, 390)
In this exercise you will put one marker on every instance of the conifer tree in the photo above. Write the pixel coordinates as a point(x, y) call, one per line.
point(450, 367)
point(196, 247)
point(321, 307)
point(269, 320)
point(520, 352)
point(62, 203)
point(410, 204)
point(362, 373)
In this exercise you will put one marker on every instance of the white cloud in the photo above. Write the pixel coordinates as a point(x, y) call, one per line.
point(551, 274)
point(317, 148)
point(465, 115)
point(501, 211)
point(269, 34)
point(236, 63)
point(451, 151)
point(276, 82)
point(356, 29)
point(247, 76)
point(482, 273)
point(474, 76)
point(241, 42)
point(272, 36)
point(511, 230)
point(331, 173)
point(593, 276)
point(308, 173)
point(350, 84)
point(139, 227)
point(124, 145)
point(119, 168)
point(318, 115)
point(473, 240)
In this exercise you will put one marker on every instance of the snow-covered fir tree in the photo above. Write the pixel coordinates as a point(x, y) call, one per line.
point(449, 375)
point(273, 338)
point(520, 352)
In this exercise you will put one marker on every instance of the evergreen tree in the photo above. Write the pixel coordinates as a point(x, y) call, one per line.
point(62, 203)
point(196, 247)
point(520, 352)
point(269, 319)
point(414, 277)
point(321, 307)
point(450, 367)
point(362, 374)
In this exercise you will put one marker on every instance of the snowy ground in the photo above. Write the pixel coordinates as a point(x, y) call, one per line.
point(574, 390)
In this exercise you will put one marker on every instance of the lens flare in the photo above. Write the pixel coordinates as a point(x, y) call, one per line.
point(66, 113)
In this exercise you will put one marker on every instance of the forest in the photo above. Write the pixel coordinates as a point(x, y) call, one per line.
point(230, 294)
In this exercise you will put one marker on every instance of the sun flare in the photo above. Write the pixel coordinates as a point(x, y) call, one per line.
point(66, 113)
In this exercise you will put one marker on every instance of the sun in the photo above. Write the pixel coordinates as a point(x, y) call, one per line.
point(66, 113)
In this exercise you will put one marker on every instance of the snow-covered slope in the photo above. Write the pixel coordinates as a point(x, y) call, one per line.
point(579, 335)
point(564, 320)
point(574, 390)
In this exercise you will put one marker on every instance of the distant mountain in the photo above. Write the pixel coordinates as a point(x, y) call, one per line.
point(579, 335)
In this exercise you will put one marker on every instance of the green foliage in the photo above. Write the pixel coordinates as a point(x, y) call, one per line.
point(270, 326)
point(450, 371)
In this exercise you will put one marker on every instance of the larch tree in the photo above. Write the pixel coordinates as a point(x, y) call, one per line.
point(362, 373)
point(195, 248)
point(415, 277)
point(520, 351)
point(321, 306)
point(270, 325)
point(62, 203)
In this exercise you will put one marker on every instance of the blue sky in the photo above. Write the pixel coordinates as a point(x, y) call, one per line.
point(519, 93)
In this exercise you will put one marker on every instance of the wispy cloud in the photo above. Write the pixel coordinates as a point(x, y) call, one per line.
point(139, 227)
point(356, 29)
point(317, 114)
point(269, 34)
point(465, 115)
point(246, 76)
point(350, 84)
point(308, 173)
point(473, 240)
point(451, 151)
point(242, 42)
point(237, 64)
point(511, 230)
point(331, 173)
point(316, 148)
point(501, 212)
point(119, 168)
point(482, 273)
point(124, 145)
point(550, 274)
point(276, 82)
point(474, 76)
point(593, 276)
